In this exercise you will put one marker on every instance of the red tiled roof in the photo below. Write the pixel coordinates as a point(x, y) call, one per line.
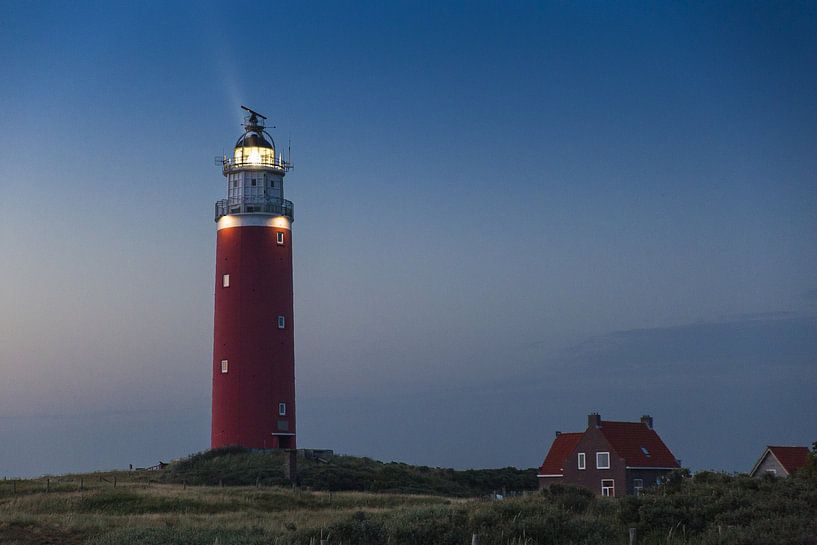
point(639, 445)
point(791, 458)
point(562, 446)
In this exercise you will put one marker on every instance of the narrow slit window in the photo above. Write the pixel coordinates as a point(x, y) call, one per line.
point(225, 280)
point(282, 322)
point(280, 235)
point(224, 365)
point(282, 409)
point(581, 460)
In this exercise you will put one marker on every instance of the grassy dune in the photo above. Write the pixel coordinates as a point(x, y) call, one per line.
point(150, 508)
point(237, 466)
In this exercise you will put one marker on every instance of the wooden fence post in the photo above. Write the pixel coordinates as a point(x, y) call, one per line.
point(633, 536)
point(114, 481)
point(47, 485)
point(474, 539)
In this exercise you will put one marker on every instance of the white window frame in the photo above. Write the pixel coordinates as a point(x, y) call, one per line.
point(279, 237)
point(224, 366)
point(282, 322)
point(608, 490)
point(282, 409)
point(598, 463)
point(225, 280)
point(582, 461)
point(638, 486)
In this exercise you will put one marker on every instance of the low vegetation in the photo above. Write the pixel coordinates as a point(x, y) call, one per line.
point(168, 507)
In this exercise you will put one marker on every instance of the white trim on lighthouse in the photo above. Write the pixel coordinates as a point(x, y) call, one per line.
point(253, 220)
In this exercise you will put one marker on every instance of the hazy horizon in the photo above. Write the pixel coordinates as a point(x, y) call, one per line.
point(506, 218)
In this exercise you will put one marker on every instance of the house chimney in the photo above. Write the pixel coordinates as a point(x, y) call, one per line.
point(558, 433)
point(593, 420)
point(647, 420)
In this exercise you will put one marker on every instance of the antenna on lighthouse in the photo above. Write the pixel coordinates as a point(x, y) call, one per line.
point(251, 121)
point(253, 112)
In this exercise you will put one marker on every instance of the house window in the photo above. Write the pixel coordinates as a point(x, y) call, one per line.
point(581, 460)
point(772, 472)
point(224, 364)
point(645, 452)
point(282, 409)
point(282, 322)
point(608, 487)
point(602, 460)
point(280, 235)
point(638, 485)
point(225, 280)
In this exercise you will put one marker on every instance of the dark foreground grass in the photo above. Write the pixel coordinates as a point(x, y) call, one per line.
point(707, 509)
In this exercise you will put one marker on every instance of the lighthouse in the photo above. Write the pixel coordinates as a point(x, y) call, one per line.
point(253, 345)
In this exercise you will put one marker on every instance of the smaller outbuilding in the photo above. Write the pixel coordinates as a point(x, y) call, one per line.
point(610, 458)
point(780, 461)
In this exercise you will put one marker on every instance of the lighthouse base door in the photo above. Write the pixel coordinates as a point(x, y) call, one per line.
point(283, 441)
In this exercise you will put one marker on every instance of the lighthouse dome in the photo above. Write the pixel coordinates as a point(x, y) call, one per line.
point(254, 149)
point(252, 139)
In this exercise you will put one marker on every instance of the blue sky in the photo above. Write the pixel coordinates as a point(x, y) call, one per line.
point(507, 216)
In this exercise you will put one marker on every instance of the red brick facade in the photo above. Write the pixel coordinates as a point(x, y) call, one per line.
point(254, 389)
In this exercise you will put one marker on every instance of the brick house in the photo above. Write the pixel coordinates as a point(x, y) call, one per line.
point(780, 461)
point(610, 458)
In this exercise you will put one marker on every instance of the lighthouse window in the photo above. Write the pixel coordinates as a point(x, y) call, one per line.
point(280, 235)
point(281, 322)
point(225, 281)
point(224, 364)
point(282, 409)
point(252, 182)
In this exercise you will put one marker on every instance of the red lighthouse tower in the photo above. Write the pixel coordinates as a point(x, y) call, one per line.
point(253, 348)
